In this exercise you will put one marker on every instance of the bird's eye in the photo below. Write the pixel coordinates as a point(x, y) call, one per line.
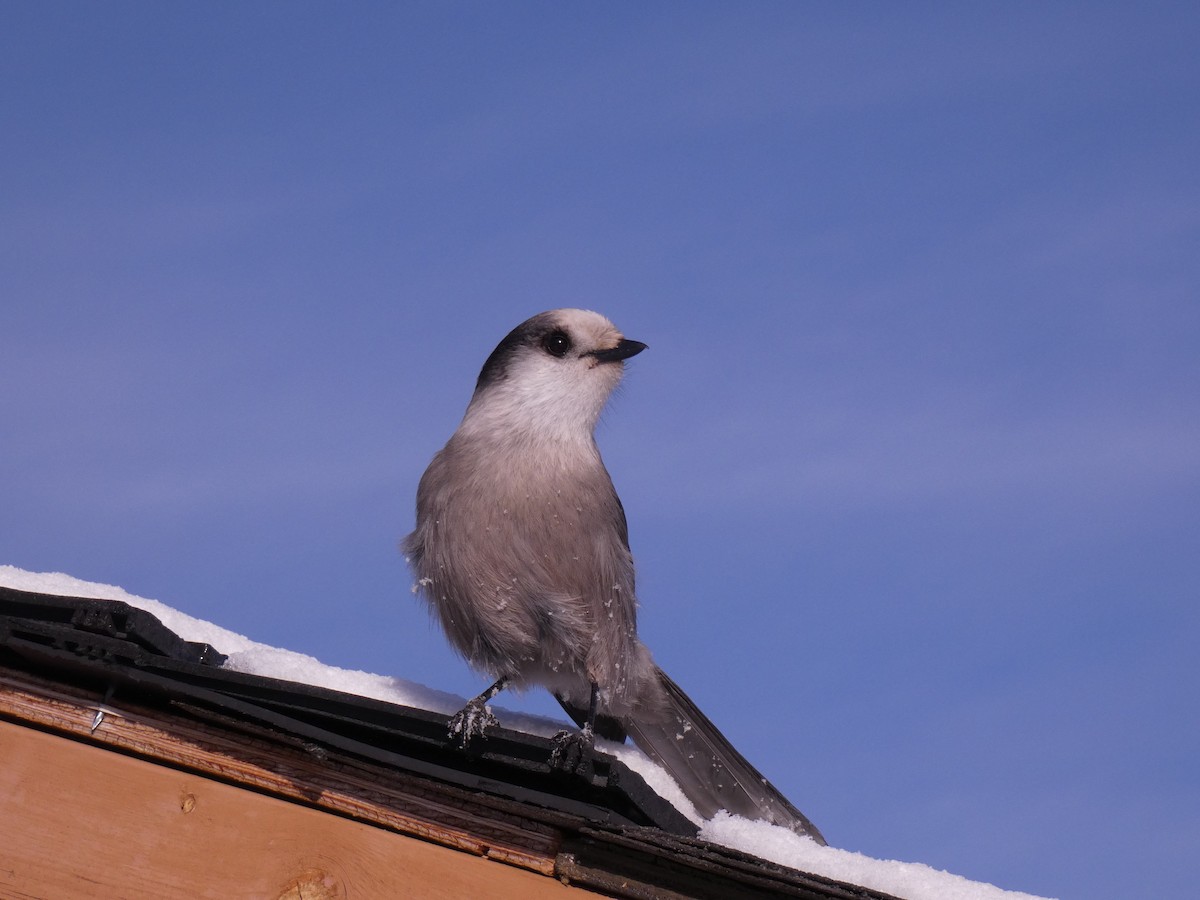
point(556, 343)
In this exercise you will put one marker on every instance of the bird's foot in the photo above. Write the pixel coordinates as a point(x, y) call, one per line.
point(471, 722)
point(572, 754)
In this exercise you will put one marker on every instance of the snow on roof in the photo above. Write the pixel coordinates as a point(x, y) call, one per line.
point(914, 881)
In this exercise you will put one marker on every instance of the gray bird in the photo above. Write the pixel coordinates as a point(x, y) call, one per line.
point(522, 552)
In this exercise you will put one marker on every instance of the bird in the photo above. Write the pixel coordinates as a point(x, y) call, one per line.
point(521, 552)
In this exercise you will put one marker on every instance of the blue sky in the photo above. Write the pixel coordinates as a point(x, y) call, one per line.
point(912, 465)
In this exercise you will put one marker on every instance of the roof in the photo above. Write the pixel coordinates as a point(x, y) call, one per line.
point(380, 762)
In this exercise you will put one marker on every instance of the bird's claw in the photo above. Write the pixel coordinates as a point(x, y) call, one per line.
point(471, 722)
point(572, 754)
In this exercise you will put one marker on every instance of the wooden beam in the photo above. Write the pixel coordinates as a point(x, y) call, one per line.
point(375, 794)
point(80, 821)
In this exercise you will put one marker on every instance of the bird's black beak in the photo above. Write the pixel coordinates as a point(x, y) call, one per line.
point(623, 350)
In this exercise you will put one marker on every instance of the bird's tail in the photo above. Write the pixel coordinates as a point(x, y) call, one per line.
point(707, 768)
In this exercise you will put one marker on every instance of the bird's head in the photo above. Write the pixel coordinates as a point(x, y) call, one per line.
point(552, 374)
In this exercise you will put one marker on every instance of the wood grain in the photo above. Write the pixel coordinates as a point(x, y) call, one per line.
point(80, 821)
point(373, 794)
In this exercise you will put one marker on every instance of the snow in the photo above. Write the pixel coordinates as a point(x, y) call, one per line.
point(913, 881)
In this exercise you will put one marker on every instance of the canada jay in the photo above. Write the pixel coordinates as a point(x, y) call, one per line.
point(522, 552)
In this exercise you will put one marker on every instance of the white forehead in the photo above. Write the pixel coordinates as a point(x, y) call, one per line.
point(589, 328)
